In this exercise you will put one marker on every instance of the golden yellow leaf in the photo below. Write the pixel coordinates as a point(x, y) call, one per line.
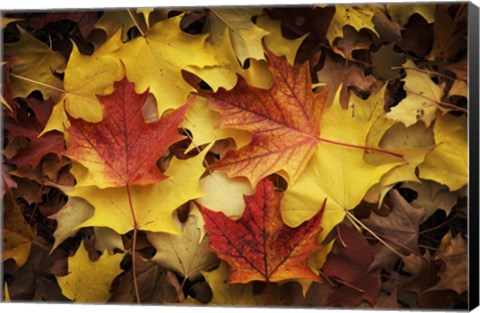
point(153, 204)
point(86, 76)
point(184, 253)
point(459, 88)
point(203, 124)
point(87, 281)
point(246, 37)
point(160, 56)
point(17, 234)
point(225, 194)
point(36, 63)
point(413, 143)
point(72, 214)
point(400, 13)
point(356, 16)
point(432, 196)
point(275, 41)
point(447, 163)
point(337, 173)
point(422, 100)
point(107, 239)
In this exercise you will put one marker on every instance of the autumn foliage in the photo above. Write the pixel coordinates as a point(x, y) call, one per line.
point(303, 156)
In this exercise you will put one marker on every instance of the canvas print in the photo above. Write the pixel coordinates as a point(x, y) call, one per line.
point(296, 156)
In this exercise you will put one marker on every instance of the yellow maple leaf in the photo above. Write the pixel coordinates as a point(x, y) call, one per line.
point(400, 13)
point(356, 16)
point(160, 56)
point(153, 204)
point(113, 20)
point(33, 66)
point(337, 173)
point(72, 214)
point(17, 234)
point(185, 254)
point(423, 98)
point(246, 37)
point(447, 163)
point(87, 281)
point(8, 20)
point(86, 76)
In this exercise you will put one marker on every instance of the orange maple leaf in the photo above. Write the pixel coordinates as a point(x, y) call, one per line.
point(123, 149)
point(284, 120)
point(259, 246)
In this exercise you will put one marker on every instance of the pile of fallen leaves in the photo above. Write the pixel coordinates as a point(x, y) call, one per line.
point(301, 156)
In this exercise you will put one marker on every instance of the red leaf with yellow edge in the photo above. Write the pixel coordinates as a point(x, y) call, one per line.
point(123, 149)
point(284, 120)
point(259, 246)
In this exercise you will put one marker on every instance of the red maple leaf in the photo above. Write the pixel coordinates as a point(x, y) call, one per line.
point(123, 149)
point(351, 267)
point(284, 121)
point(259, 246)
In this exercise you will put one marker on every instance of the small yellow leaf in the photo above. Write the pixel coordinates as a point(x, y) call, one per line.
point(72, 214)
point(87, 281)
point(422, 100)
point(400, 13)
point(447, 163)
point(356, 16)
point(275, 41)
point(225, 194)
point(185, 253)
point(37, 63)
point(17, 234)
point(246, 36)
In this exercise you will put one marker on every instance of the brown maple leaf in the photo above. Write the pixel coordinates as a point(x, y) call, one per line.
point(351, 269)
point(259, 246)
point(284, 120)
point(123, 149)
point(29, 124)
point(400, 229)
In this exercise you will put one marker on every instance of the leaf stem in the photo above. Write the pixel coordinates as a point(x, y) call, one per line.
point(134, 245)
point(398, 155)
point(355, 220)
point(38, 83)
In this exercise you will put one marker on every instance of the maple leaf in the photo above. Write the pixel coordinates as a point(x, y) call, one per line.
point(454, 271)
point(432, 196)
point(401, 13)
point(8, 20)
point(30, 126)
point(447, 162)
point(111, 21)
point(246, 36)
point(338, 173)
point(186, 253)
point(33, 61)
point(114, 149)
point(357, 16)
point(84, 20)
point(87, 281)
point(352, 267)
point(72, 214)
point(400, 228)
point(17, 234)
point(86, 77)
point(288, 110)
point(259, 246)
